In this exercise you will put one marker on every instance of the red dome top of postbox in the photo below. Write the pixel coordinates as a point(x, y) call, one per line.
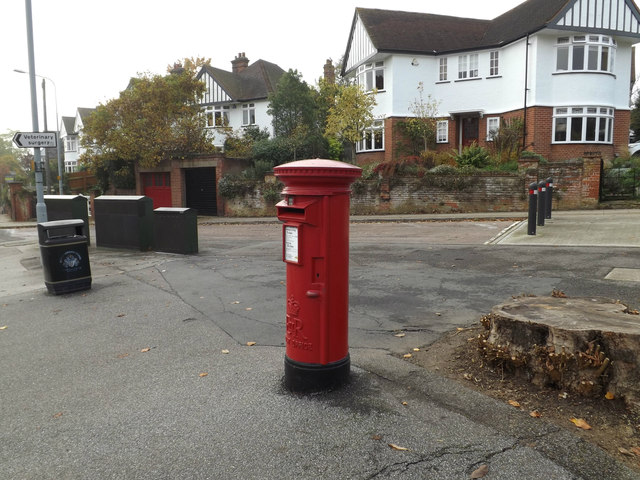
point(317, 177)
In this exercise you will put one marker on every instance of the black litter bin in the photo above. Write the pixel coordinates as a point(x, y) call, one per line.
point(65, 256)
point(175, 230)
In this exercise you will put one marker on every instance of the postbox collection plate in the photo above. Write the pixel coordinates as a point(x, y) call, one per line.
point(291, 244)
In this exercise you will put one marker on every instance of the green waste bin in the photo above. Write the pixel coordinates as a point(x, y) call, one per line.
point(68, 207)
point(65, 256)
point(175, 230)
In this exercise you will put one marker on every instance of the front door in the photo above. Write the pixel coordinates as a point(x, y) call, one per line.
point(469, 130)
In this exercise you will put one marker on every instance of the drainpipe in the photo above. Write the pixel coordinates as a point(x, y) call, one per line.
point(526, 90)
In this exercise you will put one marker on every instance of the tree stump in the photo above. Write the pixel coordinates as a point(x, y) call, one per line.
point(587, 346)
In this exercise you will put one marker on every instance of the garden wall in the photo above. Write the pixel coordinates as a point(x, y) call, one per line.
point(576, 185)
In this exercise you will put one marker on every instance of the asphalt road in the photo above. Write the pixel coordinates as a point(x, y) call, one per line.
point(130, 379)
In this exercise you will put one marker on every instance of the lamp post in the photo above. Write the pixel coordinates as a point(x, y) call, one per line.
point(41, 208)
point(44, 106)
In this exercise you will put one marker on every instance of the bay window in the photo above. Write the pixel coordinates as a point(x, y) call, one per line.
point(583, 125)
point(372, 138)
point(585, 53)
point(371, 76)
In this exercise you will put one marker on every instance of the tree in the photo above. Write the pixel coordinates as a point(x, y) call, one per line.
point(350, 115)
point(292, 105)
point(421, 127)
point(156, 118)
point(190, 64)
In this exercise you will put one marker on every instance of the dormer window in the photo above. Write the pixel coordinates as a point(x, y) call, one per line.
point(585, 53)
point(371, 76)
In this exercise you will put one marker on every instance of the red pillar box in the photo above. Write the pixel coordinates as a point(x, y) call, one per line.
point(315, 212)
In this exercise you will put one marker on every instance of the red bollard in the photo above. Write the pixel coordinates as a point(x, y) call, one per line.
point(315, 212)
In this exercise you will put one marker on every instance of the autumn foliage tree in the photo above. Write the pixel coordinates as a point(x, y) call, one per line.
point(350, 115)
point(155, 119)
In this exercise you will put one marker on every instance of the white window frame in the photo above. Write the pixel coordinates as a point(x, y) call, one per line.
point(494, 63)
point(371, 76)
point(468, 66)
point(443, 74)
point(70, 144)
point(248, 114)
point(442, 131)
point(585, 53)
point(493, 127)
point(372, 138)
point(583, 124)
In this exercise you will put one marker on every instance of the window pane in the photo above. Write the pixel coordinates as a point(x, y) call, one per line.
point(602, 133)
point(378, 140)
point(576, 129)
point(593, 58)
point(369, 81)
point(561, 130)
point(380, 79)
point(604, 59)
point(591, 129)
point(578, 57)
point(609, 131)
point(563, 59)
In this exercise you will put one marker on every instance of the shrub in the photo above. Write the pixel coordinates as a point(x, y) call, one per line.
point(444, 170)
point(232, 186)
point(473, 156)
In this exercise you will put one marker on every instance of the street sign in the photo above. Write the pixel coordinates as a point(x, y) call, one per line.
point(35, 139)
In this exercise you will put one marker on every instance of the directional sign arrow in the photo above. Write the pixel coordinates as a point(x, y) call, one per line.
point(35, 139)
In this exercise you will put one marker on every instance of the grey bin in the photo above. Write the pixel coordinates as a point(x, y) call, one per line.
point(175, 230)
point(68, 207)
point(124, 221)
point(65, 256)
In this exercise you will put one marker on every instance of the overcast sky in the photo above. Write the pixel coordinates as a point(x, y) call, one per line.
point(90, 49)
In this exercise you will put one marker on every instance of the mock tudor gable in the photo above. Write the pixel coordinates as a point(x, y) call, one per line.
point(564, 67)
point(238, 98)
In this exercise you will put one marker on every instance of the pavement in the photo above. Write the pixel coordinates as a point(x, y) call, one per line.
point(149, 375)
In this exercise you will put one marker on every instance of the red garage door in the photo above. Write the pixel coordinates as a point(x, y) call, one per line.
point(157, 186)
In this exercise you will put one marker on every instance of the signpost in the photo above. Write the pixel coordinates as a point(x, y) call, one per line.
point(36, 139)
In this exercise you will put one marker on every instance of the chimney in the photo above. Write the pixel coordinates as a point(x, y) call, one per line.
point(177, 69)
point(239, 63)
point(329, 72)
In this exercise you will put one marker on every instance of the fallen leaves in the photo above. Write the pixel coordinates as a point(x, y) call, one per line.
point(480, 472)
point(4, 327)
point(58, 415)
point(145, 350)
point(225, 351)
point(580, 423)
point(407, 355)
point(609, 396)
point(400, 335)
point(251, 344)
point(514, 404)
point(558, 294)
point(203, 374)
point(535, 414)
point(632, 452)
point(398, 447)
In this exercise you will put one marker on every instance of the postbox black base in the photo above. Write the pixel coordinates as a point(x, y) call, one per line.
point(309, 377)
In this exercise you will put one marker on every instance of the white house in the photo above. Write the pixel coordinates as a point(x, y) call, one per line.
point(563, 66)
point(238, 98)
point(70, 135)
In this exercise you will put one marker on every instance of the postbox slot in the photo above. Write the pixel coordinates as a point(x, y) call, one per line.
point(292, 212)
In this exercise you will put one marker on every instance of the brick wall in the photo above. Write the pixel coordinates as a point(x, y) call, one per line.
point(539, 131)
